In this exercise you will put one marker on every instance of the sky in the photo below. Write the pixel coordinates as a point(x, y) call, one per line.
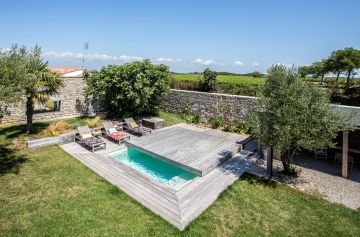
point(235, 36)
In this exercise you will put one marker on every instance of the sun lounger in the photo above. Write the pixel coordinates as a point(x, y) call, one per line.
point(132, 126)
point(86, 137)
point(111, 133)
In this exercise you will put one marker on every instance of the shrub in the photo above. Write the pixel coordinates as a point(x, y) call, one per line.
point(208, 81)
point(94, 122)
point(216, 122)
point(56, 128)
point(240, 127)
point(130, 89)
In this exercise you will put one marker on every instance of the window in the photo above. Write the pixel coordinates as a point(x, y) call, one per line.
point(50, 106)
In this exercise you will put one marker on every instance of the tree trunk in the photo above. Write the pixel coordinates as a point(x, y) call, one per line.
point(29, 114)
point(347, 86)
point(322, 79)
point(337, 78)
point(286, 164)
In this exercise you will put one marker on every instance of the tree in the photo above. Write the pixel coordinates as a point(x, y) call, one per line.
point(319, 69)
point(294, 116)
point(208, 81)
point(337, 64)
point(12, 71)
point(350, 58)
point(130, 89)
point(25, 77)
point(304, 71)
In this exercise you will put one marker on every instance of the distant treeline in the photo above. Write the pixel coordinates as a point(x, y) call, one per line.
point(250, 74)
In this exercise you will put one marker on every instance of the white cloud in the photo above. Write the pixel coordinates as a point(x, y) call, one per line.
point(206, 62)
point(102, 57)
point(255, 64)
point(238, 63)
point(169, 60)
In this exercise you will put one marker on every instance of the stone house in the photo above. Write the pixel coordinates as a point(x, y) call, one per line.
point(69, 102)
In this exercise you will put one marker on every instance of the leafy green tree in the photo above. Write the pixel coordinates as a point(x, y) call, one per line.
point(294, 116)
point(337, 63)
point(12, 73)
point(130, 89)
point(320, 69)
point(25, 71)
point(208, 81)
point(350, 57)
point(304, 71)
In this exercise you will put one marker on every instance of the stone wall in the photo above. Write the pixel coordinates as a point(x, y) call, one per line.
point(209, 105)
point(73, 104)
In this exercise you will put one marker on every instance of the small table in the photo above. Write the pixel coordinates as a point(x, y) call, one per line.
point(153, 122)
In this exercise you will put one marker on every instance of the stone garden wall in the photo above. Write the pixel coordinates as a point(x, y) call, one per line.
point(73, 104)
point(209, 105)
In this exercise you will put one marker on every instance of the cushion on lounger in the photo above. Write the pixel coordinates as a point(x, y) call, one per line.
point(87, 136)
point(112, 130)
point(133, 125)
point(118, 135)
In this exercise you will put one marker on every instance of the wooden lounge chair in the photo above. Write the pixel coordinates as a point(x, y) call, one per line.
point(111, 133)
point(132, 126)
point(86, 137)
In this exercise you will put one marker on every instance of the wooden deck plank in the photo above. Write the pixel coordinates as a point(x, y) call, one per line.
point(195, 149)
point(178, 207)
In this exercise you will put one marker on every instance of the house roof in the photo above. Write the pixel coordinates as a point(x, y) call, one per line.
point(355, 111)
point(65, 70)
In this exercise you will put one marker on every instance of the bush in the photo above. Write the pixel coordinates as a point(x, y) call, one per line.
point(130, 89)
point(208, 81)
point(192, 118)
point(216, 122)
point(56, 128)
point(94, 123)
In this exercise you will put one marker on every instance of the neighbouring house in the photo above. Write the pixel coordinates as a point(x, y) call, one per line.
point(69, 102)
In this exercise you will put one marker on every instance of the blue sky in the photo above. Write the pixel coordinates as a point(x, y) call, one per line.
point(237, 36)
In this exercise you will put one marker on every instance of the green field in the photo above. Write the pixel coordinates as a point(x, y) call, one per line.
point(226, 79)
point(45, 191)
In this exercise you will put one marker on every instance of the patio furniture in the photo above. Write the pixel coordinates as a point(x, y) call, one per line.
point(321, 154)
point(132, 126)
point(153, 122)
point(86, 137)
point(338, 158)
point(112, 133)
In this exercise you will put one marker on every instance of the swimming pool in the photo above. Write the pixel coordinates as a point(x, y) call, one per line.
point(160, 170)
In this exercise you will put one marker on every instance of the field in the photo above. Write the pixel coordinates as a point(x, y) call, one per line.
point(45, 191)
point(223, 79)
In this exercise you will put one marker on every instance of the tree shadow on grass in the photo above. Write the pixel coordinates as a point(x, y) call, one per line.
point(19, 130)
point(253, 179)
point(10, 160)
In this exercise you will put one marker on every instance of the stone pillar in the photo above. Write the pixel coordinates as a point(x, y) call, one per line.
point(345, 150)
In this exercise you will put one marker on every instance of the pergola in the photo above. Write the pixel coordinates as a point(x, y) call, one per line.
point(345, 143)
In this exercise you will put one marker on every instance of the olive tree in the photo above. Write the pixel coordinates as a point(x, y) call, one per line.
point(294, 116)
point(130, 89)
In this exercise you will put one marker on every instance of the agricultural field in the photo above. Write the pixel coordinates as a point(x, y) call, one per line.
point(222, 79)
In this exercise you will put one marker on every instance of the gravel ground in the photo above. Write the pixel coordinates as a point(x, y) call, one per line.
point(321, 178)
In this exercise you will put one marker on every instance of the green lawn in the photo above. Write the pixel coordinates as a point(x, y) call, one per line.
point(228, 79)
point(45, 191)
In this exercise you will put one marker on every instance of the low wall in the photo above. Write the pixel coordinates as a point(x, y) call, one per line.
point(209, 105)
point(62, 139)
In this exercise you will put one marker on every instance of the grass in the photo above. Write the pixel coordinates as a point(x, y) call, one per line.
point(170, 119)
point(222, 79)
point(45, 190)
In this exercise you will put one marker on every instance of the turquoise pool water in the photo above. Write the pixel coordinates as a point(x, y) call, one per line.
point(155, 168)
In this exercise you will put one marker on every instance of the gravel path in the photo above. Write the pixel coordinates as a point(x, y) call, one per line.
point(321, 178)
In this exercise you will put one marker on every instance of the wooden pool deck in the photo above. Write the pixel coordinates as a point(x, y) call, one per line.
point(196, 149)
point(179, 207)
